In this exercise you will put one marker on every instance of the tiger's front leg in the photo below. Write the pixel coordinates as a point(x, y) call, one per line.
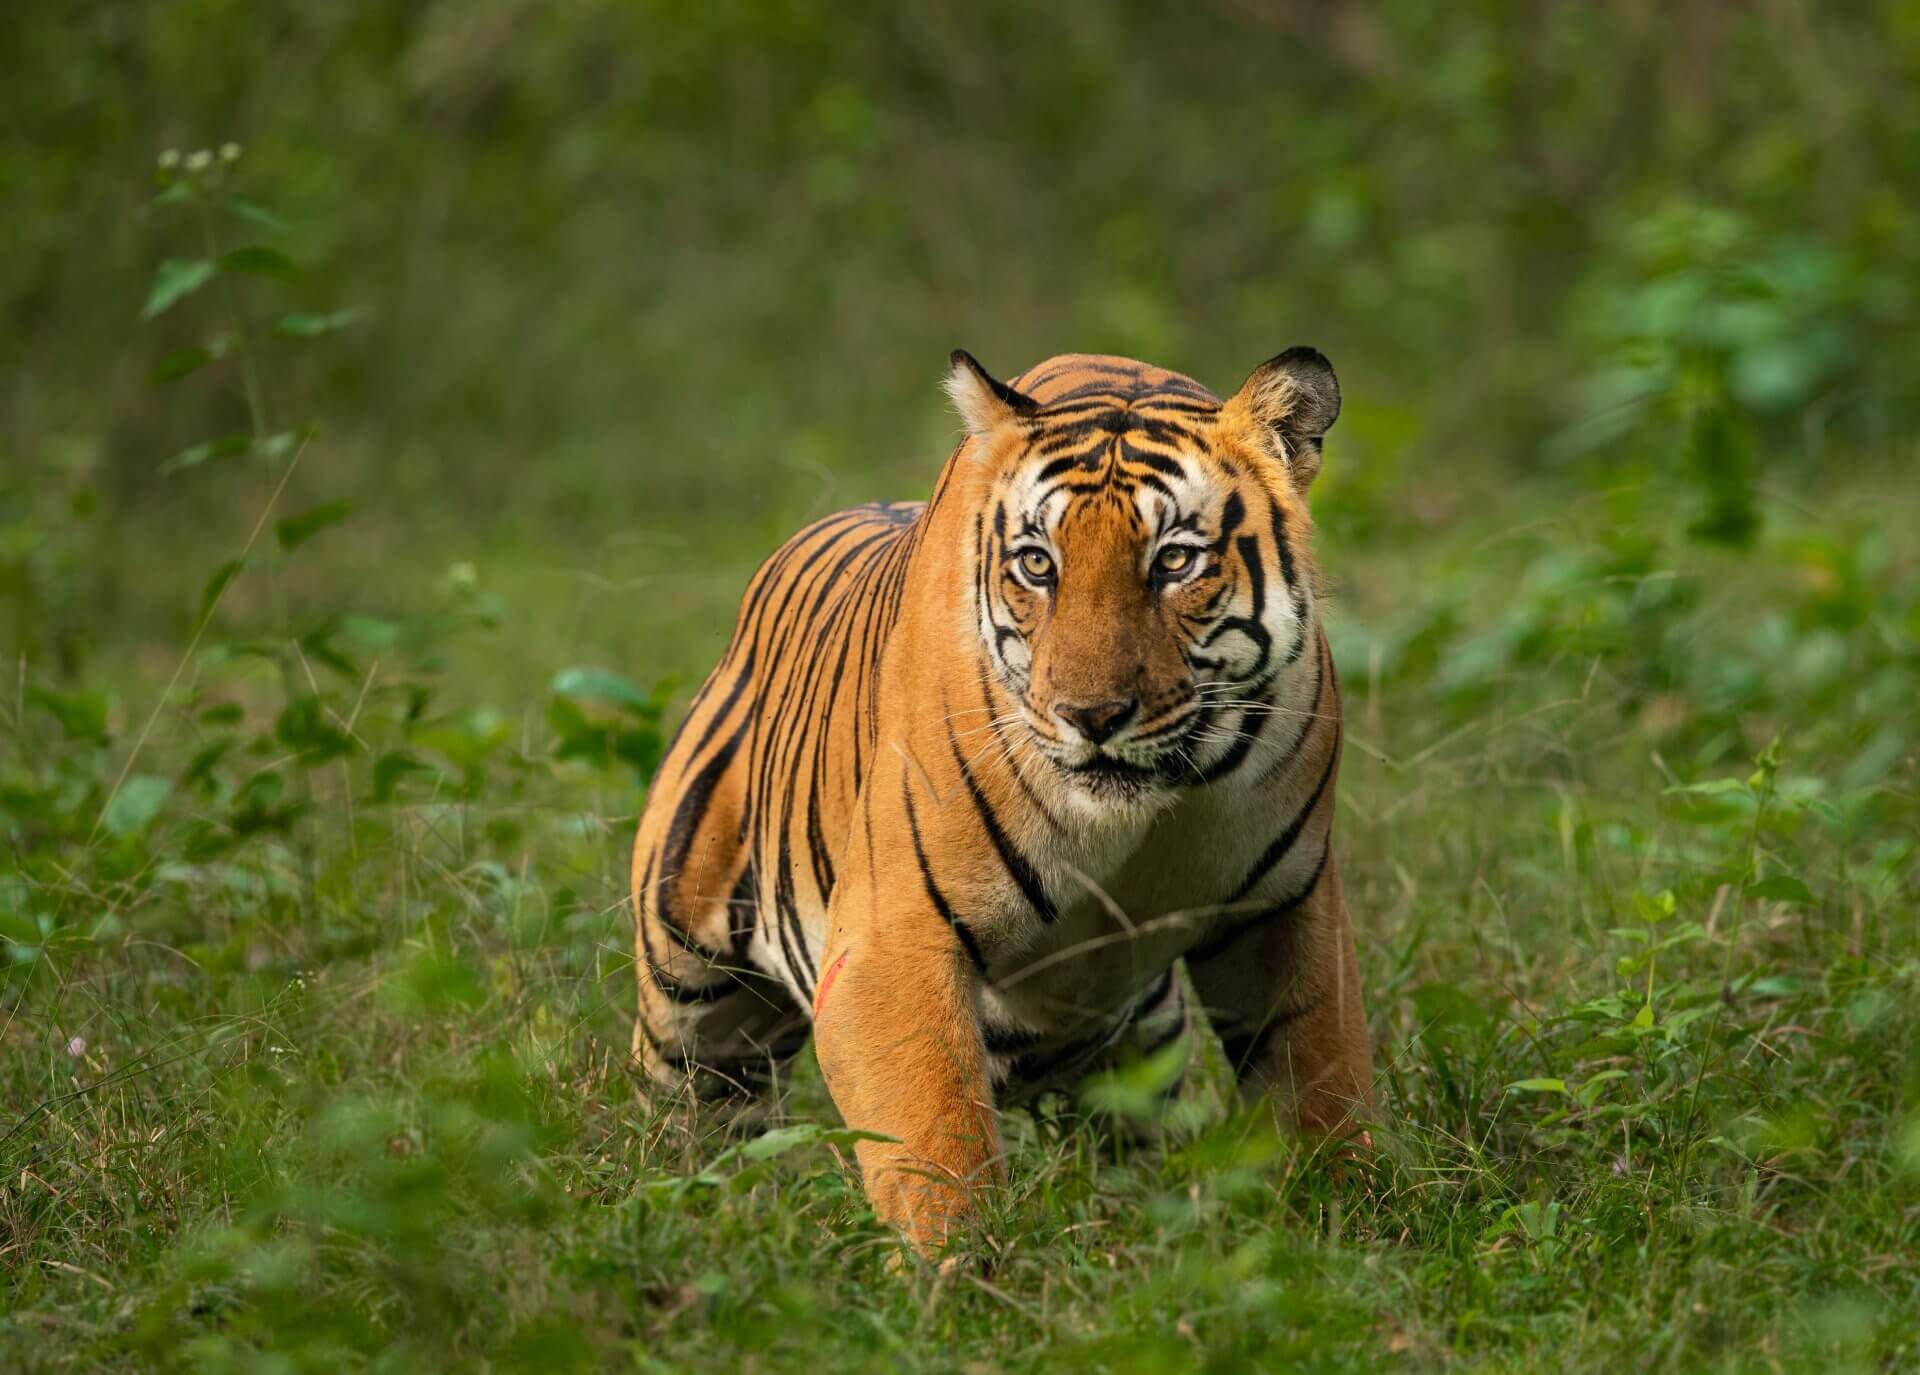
point(899, 1045)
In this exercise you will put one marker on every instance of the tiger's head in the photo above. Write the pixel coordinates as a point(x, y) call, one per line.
point(1142, 571)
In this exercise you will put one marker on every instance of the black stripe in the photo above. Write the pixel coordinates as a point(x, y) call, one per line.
point(1231, 515)
point(1026, 787)
point(1244, 738)
point(1244, 1049)
point(679, 991)
point(934, 895)
point(1278, 519)
point(743, 910)
point(1029, 1068)
point(1007, 1040)
point(1200, 954)
point(1156, 483)
point(1160, 463)
point(795, 723)
point(1022, 873)
point(1284, 842)
point(1060, 467)
point(1286, 760)
point(686, 823)
point(1162, 403)
point(720, 713)
point(1250, 624)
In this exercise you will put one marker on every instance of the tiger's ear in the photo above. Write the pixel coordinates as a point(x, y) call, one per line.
point(1293, 399)
point(983, 401)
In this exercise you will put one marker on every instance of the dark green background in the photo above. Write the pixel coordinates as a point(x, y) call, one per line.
point(652, 269)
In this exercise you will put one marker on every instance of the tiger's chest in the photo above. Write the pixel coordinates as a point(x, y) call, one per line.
point(1095, 982)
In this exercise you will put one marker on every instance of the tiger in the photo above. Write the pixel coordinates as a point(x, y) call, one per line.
point(975, 774)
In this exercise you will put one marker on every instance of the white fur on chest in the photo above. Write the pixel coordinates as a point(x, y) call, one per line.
point(1130, 900)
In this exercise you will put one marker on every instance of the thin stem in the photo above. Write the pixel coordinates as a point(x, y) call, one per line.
point(236, 321)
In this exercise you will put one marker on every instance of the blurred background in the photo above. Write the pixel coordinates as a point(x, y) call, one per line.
point(608, 297)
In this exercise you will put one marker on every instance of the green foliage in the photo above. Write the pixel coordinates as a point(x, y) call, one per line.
point(603, 718)
point(314, 973)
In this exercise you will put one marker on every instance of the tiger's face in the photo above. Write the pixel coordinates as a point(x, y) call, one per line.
point(1143, 576)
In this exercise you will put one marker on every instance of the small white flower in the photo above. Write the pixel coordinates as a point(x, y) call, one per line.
point(199, 160)
point(229, 152)
point(170, 158)
point(77, 1047)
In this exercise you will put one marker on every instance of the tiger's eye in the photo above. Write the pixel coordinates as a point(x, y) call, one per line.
point(1175, 558)
point(1037, 564)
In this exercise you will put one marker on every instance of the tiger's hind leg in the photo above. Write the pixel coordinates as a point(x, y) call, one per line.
point(708, 1023)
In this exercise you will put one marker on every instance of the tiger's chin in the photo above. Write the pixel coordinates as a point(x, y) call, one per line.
point(1108, 784)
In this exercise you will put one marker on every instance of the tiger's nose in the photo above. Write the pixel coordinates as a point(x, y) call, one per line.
point(1099, 721)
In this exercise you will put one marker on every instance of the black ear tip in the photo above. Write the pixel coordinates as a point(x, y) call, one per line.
point(1304, 356)
point(960, 358)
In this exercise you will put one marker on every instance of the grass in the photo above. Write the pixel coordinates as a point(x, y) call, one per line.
point(312, 1032)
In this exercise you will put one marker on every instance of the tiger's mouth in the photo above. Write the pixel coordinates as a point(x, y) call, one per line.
point(1133, 767)
point(1114, 779)
point(1107, 766)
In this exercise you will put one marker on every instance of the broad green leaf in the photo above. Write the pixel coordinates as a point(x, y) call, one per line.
point(603, 741)
point(303, 326)
point(179, 364)
point(1139, 1090)
point(173, 280)
point(82, 715)
point(318, 643)
point(306, 726)
point(1537, 1086)
point(369, 632)
point(227, 446)
point(1655, 909)
point(277, 446)
point(199, 770)
point(391, 768)
point(1712, 787)
point(257, 260)
point(780, 1140)
point(216, 585)
point(297, 530)
point(133, 808)
point(1780, 888)
point(246, 209)
point(599, 685)
point(1590, 1090)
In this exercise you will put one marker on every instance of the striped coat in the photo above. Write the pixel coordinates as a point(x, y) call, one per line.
point(973, 774)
